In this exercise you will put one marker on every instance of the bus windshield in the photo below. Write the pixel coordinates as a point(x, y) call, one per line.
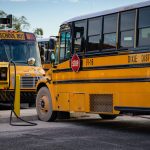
point(19, 51)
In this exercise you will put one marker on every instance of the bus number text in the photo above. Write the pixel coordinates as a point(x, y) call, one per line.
point(89, 62)
point(132, 59)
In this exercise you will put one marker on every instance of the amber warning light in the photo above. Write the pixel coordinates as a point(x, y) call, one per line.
point(30, 37)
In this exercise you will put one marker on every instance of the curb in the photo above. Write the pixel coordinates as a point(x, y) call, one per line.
point(14, 119)
point(31, 115)
point(26, 114)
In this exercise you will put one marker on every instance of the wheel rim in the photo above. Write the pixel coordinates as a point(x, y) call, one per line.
point(43, 104)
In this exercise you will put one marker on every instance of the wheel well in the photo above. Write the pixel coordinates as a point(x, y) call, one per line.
point(41, 85)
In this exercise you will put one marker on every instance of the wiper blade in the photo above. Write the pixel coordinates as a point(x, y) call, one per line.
point(21, 62)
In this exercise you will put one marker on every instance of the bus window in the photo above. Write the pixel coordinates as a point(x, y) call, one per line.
point(3, 54)
point(144, 26)
point(48, 45)
point(68, 45)
point(65, 46)
point(94, 34)
point(19, 52)
point(80, 29)
point(62, 46)
point(127, 28)
point(110, 28)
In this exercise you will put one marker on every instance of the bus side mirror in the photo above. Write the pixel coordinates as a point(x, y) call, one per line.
point(42, 59)
point(52, 44)
point(42, 54)
point(68, 55)
point(52, 57)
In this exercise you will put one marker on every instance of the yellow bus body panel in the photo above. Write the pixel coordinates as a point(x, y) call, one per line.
point(73, 91)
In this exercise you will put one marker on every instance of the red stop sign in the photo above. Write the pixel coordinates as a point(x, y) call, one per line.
point(75, 63)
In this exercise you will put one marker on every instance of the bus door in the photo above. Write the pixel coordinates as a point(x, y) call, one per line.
point(67, 96)
point(62, 60)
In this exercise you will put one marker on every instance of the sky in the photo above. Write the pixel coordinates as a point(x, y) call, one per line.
point(49, 14)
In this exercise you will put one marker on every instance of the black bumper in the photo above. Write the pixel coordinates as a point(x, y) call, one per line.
point(7, 96)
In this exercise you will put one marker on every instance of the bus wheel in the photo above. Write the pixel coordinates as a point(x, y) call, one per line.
point(104, 116)
point(44, 105)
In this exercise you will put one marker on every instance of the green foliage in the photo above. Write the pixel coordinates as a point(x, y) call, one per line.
point(2, 14)
point(38, 32)
point(19, 23)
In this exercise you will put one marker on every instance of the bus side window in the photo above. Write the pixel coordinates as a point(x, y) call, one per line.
point(80, 29)
point(127, 24)
point(110, 29)
point(144, 27)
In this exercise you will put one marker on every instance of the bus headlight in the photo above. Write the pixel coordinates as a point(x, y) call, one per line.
point(3, 73)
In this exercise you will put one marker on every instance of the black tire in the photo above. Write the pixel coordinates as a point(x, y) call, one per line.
point(44, 105)
point(32, 104)
point(63, 115)
point(107, 117)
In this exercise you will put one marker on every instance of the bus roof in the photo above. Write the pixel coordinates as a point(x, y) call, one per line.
point(110, 11)
point(45, 39)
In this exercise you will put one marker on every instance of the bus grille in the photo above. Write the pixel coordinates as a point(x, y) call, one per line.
point(8, 96)
point(3, 70)
point(28, 82)
point(101, 102)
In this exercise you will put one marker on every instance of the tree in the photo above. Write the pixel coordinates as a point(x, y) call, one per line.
point(2, 14)
point(19, 23)
point(38, 32)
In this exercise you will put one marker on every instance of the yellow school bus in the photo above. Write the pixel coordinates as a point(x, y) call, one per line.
point(102, 65)
point(19, 55)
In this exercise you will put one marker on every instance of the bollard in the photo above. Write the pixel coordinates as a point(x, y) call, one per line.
point(17, 96)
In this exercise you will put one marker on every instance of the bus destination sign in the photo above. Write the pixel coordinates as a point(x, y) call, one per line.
point(6, 35)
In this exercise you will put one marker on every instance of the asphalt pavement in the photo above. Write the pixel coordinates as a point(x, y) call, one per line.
point(80, 132)
point(93, 133)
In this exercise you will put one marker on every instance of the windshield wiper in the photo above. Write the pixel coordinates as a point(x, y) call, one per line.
point(24, 62)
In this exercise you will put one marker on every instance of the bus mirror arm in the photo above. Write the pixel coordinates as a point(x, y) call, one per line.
point(42, 59)
point(54, 66)
point(55, 37)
